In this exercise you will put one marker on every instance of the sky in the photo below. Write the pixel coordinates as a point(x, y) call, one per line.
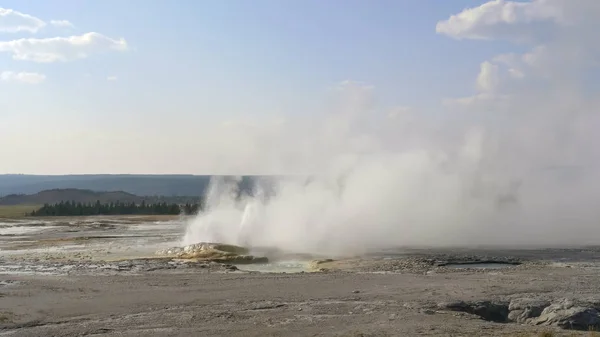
point(210, 87)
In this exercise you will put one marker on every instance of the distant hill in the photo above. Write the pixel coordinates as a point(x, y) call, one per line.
point(147, 185)
point(85, 196)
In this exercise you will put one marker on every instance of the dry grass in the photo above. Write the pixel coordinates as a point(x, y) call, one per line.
point(17, 211)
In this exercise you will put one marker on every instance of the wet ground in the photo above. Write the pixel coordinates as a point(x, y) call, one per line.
point(93, 244)
point(99, 276)
point(91, 237)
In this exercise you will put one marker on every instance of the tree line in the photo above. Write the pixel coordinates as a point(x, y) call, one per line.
point(70, 208)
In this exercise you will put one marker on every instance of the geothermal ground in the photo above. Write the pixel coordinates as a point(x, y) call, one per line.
point(101, 276)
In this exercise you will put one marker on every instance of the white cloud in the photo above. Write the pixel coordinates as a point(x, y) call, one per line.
point(535, 20)
point(62, 23)
point(61, 49)
point(23, 77)
point(12, 21)
point(112, 78)
point(518, 21)
point(487, 80)
point(560, 34)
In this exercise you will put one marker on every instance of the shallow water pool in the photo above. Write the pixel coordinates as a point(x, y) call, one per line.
point(290, 266)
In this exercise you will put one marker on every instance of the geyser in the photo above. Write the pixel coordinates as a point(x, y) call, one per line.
point(372, 189)
point(515, 164)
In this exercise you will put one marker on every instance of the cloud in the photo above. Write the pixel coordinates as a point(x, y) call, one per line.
point(61, 49)
point(23, 77)
point(560, 36)
point(523, 22)
point(517, 21)
point(487, 79)
point(12, 21)
point(112, 78)
point(62, 23)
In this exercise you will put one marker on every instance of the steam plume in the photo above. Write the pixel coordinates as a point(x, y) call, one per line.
point(515, 164)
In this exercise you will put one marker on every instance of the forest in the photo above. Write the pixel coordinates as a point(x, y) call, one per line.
point(69, 208)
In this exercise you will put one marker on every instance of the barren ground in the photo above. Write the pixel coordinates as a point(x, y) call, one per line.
point(60, 278)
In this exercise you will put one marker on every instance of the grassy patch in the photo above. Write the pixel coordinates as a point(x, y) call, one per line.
point(17, 211)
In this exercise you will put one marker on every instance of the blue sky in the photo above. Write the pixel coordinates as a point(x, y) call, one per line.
point(269, 55)
point(195, 62)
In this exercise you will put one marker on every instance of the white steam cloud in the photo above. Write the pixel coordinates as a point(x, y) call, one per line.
point(515, 164)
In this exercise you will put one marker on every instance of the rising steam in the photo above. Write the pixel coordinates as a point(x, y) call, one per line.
point(369, 191)
point(518, 167)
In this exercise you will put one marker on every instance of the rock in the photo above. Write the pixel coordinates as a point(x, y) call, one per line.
point(568, 315)
point(453, 306)
point(489, 311)
point(522, 310)
point(217, 252)
point(495, 312)
point(206, 246)
point(565, 314)
point(203, 249)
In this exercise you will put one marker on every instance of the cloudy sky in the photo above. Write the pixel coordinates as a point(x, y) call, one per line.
point(163, 87)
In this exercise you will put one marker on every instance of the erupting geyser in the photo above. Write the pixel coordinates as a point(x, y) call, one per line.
point(507, 166)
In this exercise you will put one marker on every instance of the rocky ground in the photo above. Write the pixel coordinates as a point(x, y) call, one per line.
point(541, 292)
point(403, 296)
